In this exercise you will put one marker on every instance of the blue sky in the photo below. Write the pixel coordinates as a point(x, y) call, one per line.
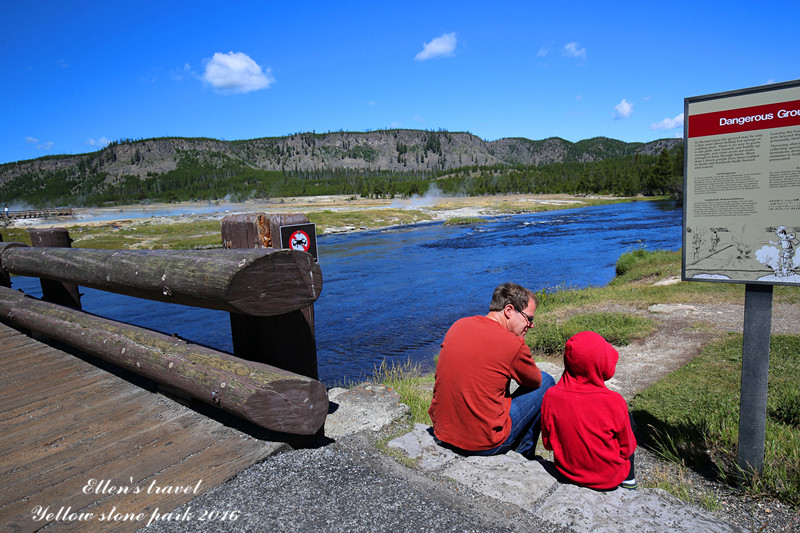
point(77, 75)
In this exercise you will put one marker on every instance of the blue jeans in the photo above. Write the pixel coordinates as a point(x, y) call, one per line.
point(526, 420)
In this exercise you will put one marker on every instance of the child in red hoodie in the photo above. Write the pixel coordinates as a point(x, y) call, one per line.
point(588, 426)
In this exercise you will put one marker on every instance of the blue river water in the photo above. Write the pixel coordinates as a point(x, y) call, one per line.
point(391, 294)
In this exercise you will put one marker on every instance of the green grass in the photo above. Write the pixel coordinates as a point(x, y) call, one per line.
point(549, 337)
point(157, 234)
point(464, 221)
point(365, 219)
point(143, 233)
point(692, 416)
point(414, 387)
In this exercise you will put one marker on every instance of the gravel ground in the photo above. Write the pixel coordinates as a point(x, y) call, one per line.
point(348, 486)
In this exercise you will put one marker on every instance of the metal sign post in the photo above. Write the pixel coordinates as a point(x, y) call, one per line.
point(755, 374)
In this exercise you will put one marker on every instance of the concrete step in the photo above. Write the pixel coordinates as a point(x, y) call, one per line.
point(533, 485)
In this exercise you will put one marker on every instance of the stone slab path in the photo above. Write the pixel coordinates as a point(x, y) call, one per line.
point(533, 485)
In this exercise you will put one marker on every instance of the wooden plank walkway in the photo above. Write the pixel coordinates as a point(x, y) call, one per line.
point(82, 449)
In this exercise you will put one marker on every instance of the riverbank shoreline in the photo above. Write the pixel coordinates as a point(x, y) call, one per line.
point(431, 208)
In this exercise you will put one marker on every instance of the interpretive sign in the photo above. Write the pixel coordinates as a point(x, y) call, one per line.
point(741, 214)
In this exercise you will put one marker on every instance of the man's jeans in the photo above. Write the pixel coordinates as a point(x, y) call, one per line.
point(526, 416)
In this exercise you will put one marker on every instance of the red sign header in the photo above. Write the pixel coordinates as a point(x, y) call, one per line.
point(760, 117)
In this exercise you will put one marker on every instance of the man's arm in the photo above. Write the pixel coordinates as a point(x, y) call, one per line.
point(524, 369)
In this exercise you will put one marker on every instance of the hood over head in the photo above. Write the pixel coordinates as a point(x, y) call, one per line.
point(588, 360)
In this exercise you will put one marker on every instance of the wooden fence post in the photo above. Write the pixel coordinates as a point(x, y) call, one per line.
point(284, 341)
point(55, 291)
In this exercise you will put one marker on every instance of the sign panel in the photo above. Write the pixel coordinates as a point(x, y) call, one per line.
point(301, 237)
point(741, 211)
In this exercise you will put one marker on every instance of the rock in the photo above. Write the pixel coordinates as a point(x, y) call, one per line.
point(667, 281)
point(363, 407)
point(672, 308)
point(535, 485)
point(420, 446)
point(507, 477)
point(642, 510)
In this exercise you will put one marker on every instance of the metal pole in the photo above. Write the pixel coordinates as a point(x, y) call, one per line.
point(755, 374)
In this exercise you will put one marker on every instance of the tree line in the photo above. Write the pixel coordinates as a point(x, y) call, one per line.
point(223, 177)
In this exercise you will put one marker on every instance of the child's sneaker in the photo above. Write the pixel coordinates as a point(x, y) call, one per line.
point(629, 484)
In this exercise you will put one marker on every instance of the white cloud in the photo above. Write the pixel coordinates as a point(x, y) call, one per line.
point(573, 49)
point(39, 145)
point(543, 51)
point(102, 141)
point(668, 123)
point(624, 109)
point(236, 72)
point(444, 45)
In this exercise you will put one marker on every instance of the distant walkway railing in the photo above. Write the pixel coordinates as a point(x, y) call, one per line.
point(37, 213)
point(257, 286)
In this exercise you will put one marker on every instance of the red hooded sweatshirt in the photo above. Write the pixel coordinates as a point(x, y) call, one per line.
point(585, 424)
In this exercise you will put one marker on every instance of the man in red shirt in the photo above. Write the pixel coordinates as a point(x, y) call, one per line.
point(472, 409)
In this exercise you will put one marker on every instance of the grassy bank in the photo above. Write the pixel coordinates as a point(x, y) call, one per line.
point(692, 416)
point(183, 234)
point(689, 417)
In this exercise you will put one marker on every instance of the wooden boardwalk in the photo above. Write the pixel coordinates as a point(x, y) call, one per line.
point(82, 449)
point(38, 213)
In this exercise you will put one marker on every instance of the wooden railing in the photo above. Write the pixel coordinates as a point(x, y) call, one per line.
point(260, 287)
point(37, 213)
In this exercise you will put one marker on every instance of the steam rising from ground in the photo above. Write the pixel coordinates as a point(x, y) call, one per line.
point(431, 198)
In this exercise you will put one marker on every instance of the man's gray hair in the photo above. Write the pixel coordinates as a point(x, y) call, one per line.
point(511, 293)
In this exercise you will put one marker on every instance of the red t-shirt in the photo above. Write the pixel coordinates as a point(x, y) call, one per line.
point(471, 400)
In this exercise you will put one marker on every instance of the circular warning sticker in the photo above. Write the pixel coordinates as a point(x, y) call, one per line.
point(299, 241)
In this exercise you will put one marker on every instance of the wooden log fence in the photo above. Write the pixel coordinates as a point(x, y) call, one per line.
point(268, 292)
point(253, 282)
point(267, 396)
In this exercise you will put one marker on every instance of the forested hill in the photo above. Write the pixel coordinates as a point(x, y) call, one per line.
point(182, 168)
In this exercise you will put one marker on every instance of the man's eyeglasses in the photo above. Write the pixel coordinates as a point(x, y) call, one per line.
point(528, 318)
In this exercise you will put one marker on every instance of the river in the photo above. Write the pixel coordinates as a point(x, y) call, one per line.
point(393, 293)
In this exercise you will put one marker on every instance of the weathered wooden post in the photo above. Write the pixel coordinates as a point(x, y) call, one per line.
point(285, 341)
point(56, 291)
